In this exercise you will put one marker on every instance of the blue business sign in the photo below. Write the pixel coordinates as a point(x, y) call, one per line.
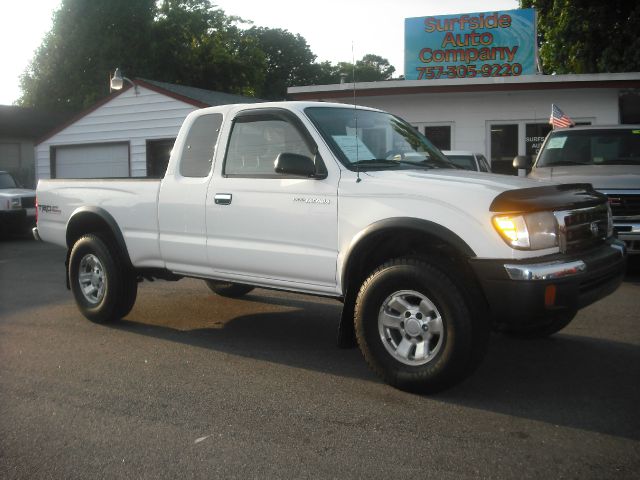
point(489, 44)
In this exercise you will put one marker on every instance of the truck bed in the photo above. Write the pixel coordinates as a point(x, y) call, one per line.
point(132, 203)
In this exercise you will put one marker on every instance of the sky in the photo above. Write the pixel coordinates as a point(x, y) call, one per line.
point(336, 30)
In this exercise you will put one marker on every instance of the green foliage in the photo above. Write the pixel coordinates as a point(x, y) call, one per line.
point(197, 45)
point(288, 61)
point(587, 36)
point(188, 42)
point(70, 69)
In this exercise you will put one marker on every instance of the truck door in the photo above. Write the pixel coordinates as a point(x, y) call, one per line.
point(268, 228)
point(183, 197)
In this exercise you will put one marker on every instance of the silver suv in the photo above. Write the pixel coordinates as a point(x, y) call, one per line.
point(608, 157)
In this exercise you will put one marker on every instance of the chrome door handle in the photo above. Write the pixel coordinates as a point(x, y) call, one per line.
point(222, 198)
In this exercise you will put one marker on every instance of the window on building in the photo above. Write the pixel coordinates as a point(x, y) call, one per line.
point(197, 155)
point(439, 135)
point(535, 133)
point(158, 153)
point(504, 147)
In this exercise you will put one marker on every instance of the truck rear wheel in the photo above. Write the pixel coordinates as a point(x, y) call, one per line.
point(416, 327)
point(103, 287)
point(228, 289)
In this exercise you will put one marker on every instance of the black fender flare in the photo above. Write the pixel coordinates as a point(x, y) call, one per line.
point(95, 214)
point(405, 223)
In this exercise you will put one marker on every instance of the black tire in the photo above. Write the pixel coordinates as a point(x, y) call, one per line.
point(557, 323)
point(456, 332)
point(228, 289)
point(110, 287)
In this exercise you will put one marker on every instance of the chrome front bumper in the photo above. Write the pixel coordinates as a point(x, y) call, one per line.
point(552, 270)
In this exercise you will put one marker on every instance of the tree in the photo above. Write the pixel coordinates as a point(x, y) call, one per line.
point(188, 42)
point(181, 41)
point(587, 36)
point(88, 39)
point(371, 68)
point(288, 61)
point(198, 45)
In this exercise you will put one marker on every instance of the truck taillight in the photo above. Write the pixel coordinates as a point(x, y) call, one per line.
point(36, 210)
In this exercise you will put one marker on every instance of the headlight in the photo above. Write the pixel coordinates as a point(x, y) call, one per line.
point(15, 203)
point(530, 231)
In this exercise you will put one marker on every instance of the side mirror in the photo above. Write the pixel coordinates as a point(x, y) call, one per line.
point(294, 164)
point(522, 164)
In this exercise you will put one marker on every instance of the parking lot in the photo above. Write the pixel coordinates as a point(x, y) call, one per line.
point(197, 386)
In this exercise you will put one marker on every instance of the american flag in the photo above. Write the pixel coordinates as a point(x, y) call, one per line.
point(559, 119)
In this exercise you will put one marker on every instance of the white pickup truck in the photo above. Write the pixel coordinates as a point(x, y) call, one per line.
point(349, 203)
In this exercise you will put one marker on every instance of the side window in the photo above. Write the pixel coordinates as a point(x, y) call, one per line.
point(256, 142)
point(197, 155)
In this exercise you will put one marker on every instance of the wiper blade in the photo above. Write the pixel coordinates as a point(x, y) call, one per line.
point(385, 163)
point(420, 164)
point(372, 161)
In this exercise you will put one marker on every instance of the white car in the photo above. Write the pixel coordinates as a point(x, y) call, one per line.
point(17, 206)
point(468, 160)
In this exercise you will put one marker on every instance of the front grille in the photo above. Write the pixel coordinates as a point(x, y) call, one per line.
point(583, 228)
point(28, 202)
point(623, 205)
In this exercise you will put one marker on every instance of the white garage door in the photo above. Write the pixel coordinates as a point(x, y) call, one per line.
point(92, 161)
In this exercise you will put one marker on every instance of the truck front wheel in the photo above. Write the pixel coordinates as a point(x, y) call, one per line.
point(417, 328)
point(103, 287)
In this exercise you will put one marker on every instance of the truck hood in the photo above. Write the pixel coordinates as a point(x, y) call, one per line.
point(459, 181)
point(602, 177)
point(17, 192)
point(470, 193)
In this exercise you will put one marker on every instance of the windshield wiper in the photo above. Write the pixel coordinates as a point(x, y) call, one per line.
point(386, 163)
point(376, 162)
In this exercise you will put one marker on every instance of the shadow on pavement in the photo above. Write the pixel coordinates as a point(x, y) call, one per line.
point(571, 380)
point(568, 380)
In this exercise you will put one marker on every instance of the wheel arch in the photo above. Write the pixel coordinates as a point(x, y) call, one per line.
point(396, 237)
point(97, 220)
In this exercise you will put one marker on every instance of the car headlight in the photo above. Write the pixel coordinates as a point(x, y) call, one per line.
point(529, 231)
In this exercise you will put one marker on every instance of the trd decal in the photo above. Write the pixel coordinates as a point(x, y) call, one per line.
point(54, 209)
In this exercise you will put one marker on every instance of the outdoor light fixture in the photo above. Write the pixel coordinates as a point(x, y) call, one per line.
point(117, 82)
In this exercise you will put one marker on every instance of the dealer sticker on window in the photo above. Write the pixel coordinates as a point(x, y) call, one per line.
point(556, 142)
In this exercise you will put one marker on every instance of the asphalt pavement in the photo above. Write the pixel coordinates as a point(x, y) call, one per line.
point(191, 385)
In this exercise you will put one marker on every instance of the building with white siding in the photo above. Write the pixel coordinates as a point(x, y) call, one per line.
point(500, 117)
point(128, 134)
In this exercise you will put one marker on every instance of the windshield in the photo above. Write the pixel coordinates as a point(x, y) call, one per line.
point(463, 161)
point(591, 147)
point(370, 140)
point(7, 181)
